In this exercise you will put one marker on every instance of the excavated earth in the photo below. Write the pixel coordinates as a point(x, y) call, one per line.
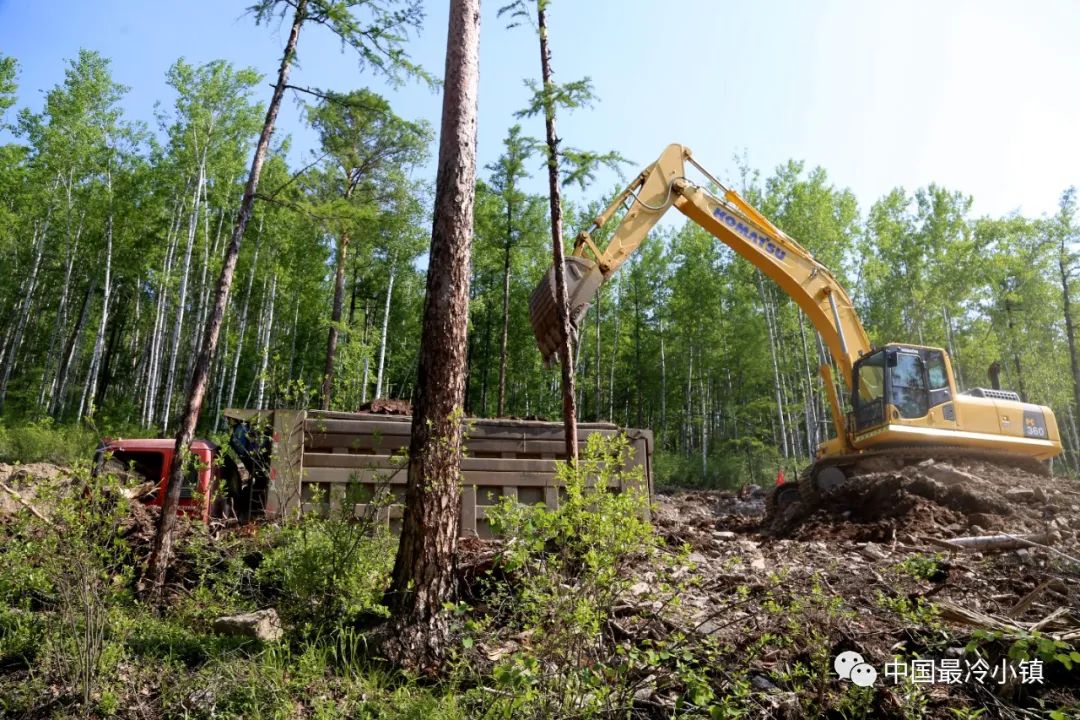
point(881, 546)
point(870, 571)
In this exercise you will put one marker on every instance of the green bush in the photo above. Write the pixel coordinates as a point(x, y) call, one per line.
point(327, 572)
point(730, 465)
point(569, 570)
point(43, 441)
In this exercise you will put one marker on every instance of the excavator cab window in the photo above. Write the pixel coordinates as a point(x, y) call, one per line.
point(907, 384)
point(938, 375)
point(869, 400)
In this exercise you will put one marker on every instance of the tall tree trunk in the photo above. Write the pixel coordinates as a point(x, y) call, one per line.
point(99, 341)
point(423, 577)
point(562, 301)
point(783, 440)
point(367, 354)
point(385, 330)
point(614, 352)
point(243, 323)
point(181, 302)
point(264, 348)
point(67, 357)
point(598, 382)
point(163, 540)
point(808, 395)
point(335, 318)
point(663, 385)
point(1070, 329)
point(638, 360)
point(48, 384)
point(503, 340)
point(156, 339)
point(292, 336)
point(24, 313)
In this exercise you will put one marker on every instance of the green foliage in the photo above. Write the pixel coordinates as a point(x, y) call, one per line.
point(44, 441)
point(329, 571)
point(375, 29)
point(921, 567)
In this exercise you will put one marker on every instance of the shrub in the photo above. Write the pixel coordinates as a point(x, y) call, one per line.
point(43, 441)
point(569, 570)
point(328, 571)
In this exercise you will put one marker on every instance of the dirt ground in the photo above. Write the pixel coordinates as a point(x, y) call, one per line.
point(880, 544)
point(871, 571)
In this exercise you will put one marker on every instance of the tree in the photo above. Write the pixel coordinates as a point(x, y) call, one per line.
point(423, 577)
point(507, 173)
point(366, 142)
point(1064, 232)
point(580, 165)
point(378, 44)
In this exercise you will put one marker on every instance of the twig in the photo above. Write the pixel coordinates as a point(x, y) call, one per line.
point(26, 504)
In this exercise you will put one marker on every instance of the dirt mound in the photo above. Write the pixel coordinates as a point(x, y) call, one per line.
point(386, 406)
point(938, 499)
point(23, 487)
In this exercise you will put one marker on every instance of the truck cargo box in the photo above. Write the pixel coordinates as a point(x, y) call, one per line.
point(321, 460)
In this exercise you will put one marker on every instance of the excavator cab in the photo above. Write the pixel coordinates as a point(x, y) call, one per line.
point(899, 382)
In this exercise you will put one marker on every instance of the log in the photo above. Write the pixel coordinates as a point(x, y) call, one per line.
point(1004, 541)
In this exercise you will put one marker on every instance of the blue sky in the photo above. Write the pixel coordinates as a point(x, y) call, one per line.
point(977, 96)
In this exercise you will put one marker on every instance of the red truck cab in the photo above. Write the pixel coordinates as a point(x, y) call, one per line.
point(151, 458)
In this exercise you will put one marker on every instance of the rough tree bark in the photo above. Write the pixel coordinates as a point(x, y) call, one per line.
point(423, 577)
point(566, 355)
point(163, 540)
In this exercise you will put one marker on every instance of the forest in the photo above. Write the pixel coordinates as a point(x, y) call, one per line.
point(113, 232)
point(334, 476)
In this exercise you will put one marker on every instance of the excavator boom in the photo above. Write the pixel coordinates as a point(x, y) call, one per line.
point(900, 395)
point(663, 185)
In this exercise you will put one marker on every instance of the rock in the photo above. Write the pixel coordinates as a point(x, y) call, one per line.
point(263, 625)
point(985, 520)
point(954, 652)
point(1039, 494)
point(697, 558)
point(760, 682)
point(873, 552)
point(948, 475)
point(1020, 494)
point(639, 589)
point(724, 535)
point(757, 563)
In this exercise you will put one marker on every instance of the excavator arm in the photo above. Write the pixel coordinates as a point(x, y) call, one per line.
point(729, 218)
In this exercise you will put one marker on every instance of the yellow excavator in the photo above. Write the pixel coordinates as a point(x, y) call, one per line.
point(903, 402)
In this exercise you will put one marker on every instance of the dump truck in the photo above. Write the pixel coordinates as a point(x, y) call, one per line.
point(282, 463)
point(898, 403)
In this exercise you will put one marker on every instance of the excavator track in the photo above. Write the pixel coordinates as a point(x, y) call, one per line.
point(810, 495)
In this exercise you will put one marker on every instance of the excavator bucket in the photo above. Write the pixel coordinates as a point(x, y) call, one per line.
point(583, 277)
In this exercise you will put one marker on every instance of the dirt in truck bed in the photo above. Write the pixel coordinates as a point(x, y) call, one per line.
point(384, 406)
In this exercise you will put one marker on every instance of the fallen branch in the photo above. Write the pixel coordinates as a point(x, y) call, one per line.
point(1032, 596)
point(26, 504)
point(965, 616)
point(1004, 541)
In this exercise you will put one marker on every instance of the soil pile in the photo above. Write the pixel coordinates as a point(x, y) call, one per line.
point(938, 499)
